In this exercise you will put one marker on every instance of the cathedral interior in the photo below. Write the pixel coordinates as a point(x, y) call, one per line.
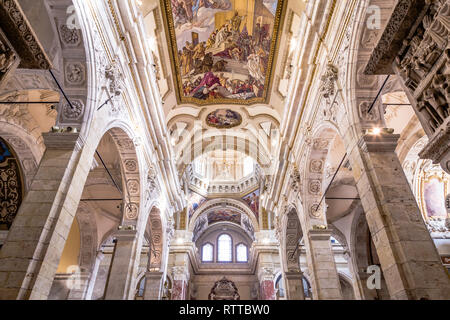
point(224, 150)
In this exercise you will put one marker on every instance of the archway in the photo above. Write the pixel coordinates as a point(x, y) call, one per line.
point(110, 201)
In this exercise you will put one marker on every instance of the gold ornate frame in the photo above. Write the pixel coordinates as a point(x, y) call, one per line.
point(171, 42)
point(425, 178)
point(218, 126)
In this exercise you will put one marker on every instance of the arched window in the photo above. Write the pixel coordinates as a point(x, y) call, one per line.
point(224, 245)
point(207, 252)
point(241, 253)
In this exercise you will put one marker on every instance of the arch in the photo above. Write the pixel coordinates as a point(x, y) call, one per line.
point(315, 171)
point(28, 152)
point(211, 140)
point(213, 204)
point(346, 287)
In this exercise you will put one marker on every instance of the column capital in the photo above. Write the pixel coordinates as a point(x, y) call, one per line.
point(266, 274)
point(63, 140)
point(125, 235)
point(319, 234)
point(293, 274)
point(383, 142)
point(154, 274)
point(180, 273)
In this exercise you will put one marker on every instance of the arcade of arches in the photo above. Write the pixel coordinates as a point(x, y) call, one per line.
point(224, 149)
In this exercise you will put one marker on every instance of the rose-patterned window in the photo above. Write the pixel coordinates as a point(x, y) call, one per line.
point(10, 186)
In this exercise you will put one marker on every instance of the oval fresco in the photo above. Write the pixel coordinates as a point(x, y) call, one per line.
point(224, 119)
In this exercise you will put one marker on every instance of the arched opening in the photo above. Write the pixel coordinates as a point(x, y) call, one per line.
point(109, 202)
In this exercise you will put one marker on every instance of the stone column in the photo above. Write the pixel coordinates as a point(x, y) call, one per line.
point(119, 280)
point(180, 283)
point(266, 284)
point(294, 285)
point(153, 284)
point(410, 262)
point(322, 268)
point(94, 273)
point(30, 256)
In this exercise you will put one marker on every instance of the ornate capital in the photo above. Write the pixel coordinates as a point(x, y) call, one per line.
point(295, 180)
point(63, 140)
point(379, 143)
point(125, 235)
point(266, 274)
point(180, 273)
point(328, 81)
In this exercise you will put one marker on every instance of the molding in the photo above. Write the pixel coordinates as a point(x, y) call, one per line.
point(402, 21)
point(379, 143)
point(22, 37)
point(63, 140)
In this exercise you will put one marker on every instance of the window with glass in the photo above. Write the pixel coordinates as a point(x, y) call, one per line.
point(207, 252)
point(224, 251)
point(241, 253)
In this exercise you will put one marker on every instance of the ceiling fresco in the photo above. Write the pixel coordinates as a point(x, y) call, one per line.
point(223, 50)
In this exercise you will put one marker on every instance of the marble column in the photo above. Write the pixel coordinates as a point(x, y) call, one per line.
point(322, 268)
point(410, 262)
point(31, 253)
point(180, 276)
point(119, 280)
point(294, 285)
point(266, 284)
point(153, 285)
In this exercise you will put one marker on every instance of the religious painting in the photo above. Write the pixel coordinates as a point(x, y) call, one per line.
point(195, 201)
point(434, 196)
point(224, 215)
point(224, 119)
point(10, 186)
point(223, 50)
point(248, 226)
point(252, 199)
point(200, 225)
